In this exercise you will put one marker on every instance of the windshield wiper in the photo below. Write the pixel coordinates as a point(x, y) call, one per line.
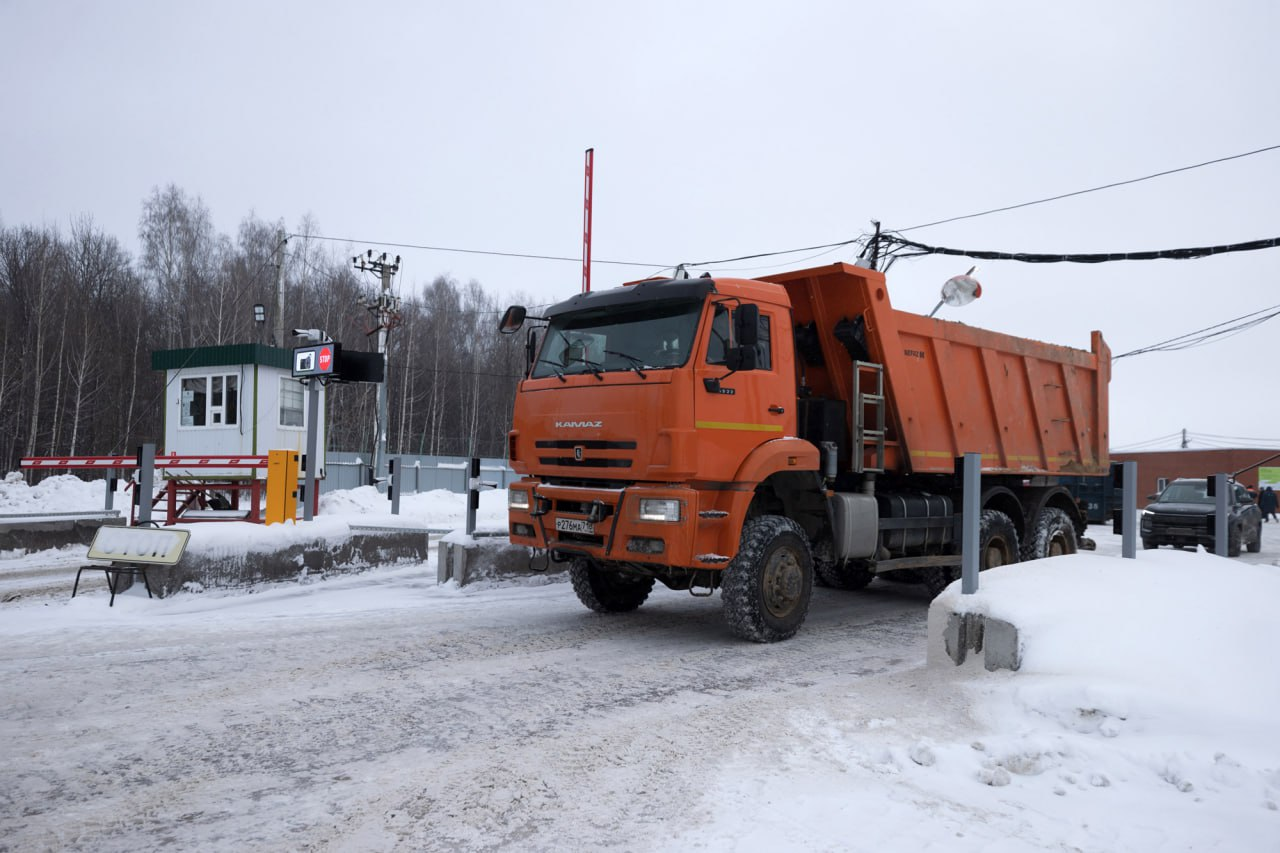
point(594, 367)
point(555, 368)
point(636, 363)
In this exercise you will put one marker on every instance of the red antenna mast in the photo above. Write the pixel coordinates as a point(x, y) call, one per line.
point(586, 223)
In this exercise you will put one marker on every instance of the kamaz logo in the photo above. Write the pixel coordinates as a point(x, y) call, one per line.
point(579, 424)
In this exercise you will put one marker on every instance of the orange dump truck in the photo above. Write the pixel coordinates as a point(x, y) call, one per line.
point(758, 436)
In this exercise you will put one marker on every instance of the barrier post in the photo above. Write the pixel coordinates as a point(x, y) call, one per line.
point(1221, 498)
point(1129, 510)
point(146, 482)
point(969, 523)
point(282, 486)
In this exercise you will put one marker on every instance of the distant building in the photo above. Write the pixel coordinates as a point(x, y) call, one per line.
point(1251, 466)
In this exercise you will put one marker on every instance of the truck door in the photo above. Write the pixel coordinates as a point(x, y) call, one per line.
point(735, 412)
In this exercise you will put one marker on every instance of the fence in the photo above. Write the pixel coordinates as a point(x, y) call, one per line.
point(417, 473)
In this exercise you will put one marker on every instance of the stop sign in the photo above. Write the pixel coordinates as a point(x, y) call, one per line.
point(326, 359)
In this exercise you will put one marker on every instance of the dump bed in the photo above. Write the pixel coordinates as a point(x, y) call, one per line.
point(949, 389)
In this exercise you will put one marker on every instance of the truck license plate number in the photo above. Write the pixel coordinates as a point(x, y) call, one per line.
point(574, 525)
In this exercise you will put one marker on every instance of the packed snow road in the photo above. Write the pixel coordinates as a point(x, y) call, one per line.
point(383, 712)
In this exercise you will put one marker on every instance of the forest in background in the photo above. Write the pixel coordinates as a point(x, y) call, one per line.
point(81, 317)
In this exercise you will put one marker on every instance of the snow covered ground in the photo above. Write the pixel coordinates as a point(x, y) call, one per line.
point(381, 711)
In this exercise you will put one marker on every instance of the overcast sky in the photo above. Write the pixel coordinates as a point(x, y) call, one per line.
point(720, 129)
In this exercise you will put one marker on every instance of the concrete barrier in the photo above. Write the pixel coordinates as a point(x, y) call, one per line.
point(467, 559)
point(43, 532)
point(214, 570)
point(954, 635)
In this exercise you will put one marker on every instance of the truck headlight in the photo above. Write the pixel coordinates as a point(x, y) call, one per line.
point(518, 499)
point(659, 509)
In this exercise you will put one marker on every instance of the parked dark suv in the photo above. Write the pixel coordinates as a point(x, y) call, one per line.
point(1183, 515)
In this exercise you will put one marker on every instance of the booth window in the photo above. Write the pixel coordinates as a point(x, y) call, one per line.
point(291, 397)
point(210, 400)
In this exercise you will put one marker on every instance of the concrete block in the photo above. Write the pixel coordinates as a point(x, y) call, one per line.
point(215, 570)
point(1001, 648)
point(487, 558)
point(995, 639)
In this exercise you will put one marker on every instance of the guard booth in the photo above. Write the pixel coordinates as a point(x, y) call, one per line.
point(233, 400)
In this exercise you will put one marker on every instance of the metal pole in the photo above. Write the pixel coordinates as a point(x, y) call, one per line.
point(971, 512)
point(588, 182)
point(111, 488)
point(1129, 510)
point(277, 339)
point(473, 495)
point(384, 320)
point(1220, 500)
point(146, 481)
point(393, 483)
point(313, 452)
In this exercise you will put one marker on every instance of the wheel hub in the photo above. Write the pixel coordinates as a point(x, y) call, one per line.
point(783, 583)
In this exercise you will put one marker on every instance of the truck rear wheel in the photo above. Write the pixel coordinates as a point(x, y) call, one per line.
point(1053, 536)
point(607, 592)
point(997, 540)
point(830, 570)
point(767, 586)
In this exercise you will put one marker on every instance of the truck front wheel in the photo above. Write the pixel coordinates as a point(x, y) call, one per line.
point(767, 586)
point(607, 592)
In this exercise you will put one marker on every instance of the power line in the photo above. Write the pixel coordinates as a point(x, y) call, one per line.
point(1202, 336)
point(1091, 189)
point(524, 255)
point(1080, 258)
point(856, 240)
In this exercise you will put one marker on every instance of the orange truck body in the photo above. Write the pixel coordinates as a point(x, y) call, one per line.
point(1028, 407)
point(850, 426)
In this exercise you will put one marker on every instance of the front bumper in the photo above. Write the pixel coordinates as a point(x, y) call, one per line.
point(1186, 530)
point(607, 525)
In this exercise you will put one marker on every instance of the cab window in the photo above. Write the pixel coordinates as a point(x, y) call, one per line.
point(720, 326)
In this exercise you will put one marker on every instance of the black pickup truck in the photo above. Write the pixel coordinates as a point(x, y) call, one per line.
point(1183, 515)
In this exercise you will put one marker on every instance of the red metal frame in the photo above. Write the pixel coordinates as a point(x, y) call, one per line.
point(586, 221)
point(194, 491)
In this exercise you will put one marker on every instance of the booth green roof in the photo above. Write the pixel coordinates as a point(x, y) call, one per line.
point(229, 354)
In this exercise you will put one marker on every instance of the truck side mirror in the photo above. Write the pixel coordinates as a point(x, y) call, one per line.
point(530, 351)
point(742, 355)
point(740, 358)
point(512, 320)
point(746, 325)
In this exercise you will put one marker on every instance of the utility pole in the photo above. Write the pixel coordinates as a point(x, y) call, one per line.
point(385, 309)
point(588, 182)
point(277, 338)
point(1184, 438)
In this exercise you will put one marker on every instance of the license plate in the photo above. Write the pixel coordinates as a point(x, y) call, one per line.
point(574, 525)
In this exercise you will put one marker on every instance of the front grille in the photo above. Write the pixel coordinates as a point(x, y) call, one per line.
point(585, 444)
point(586, 453)
point(1181, 525)
point(571, 462)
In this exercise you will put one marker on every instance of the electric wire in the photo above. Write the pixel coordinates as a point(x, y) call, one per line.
point(524, 255)
point(1091, 189)
point(1081, 258)
point(1202, 336)
point(861, 239)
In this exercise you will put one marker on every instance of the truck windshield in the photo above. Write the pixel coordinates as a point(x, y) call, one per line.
point(650, 335)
